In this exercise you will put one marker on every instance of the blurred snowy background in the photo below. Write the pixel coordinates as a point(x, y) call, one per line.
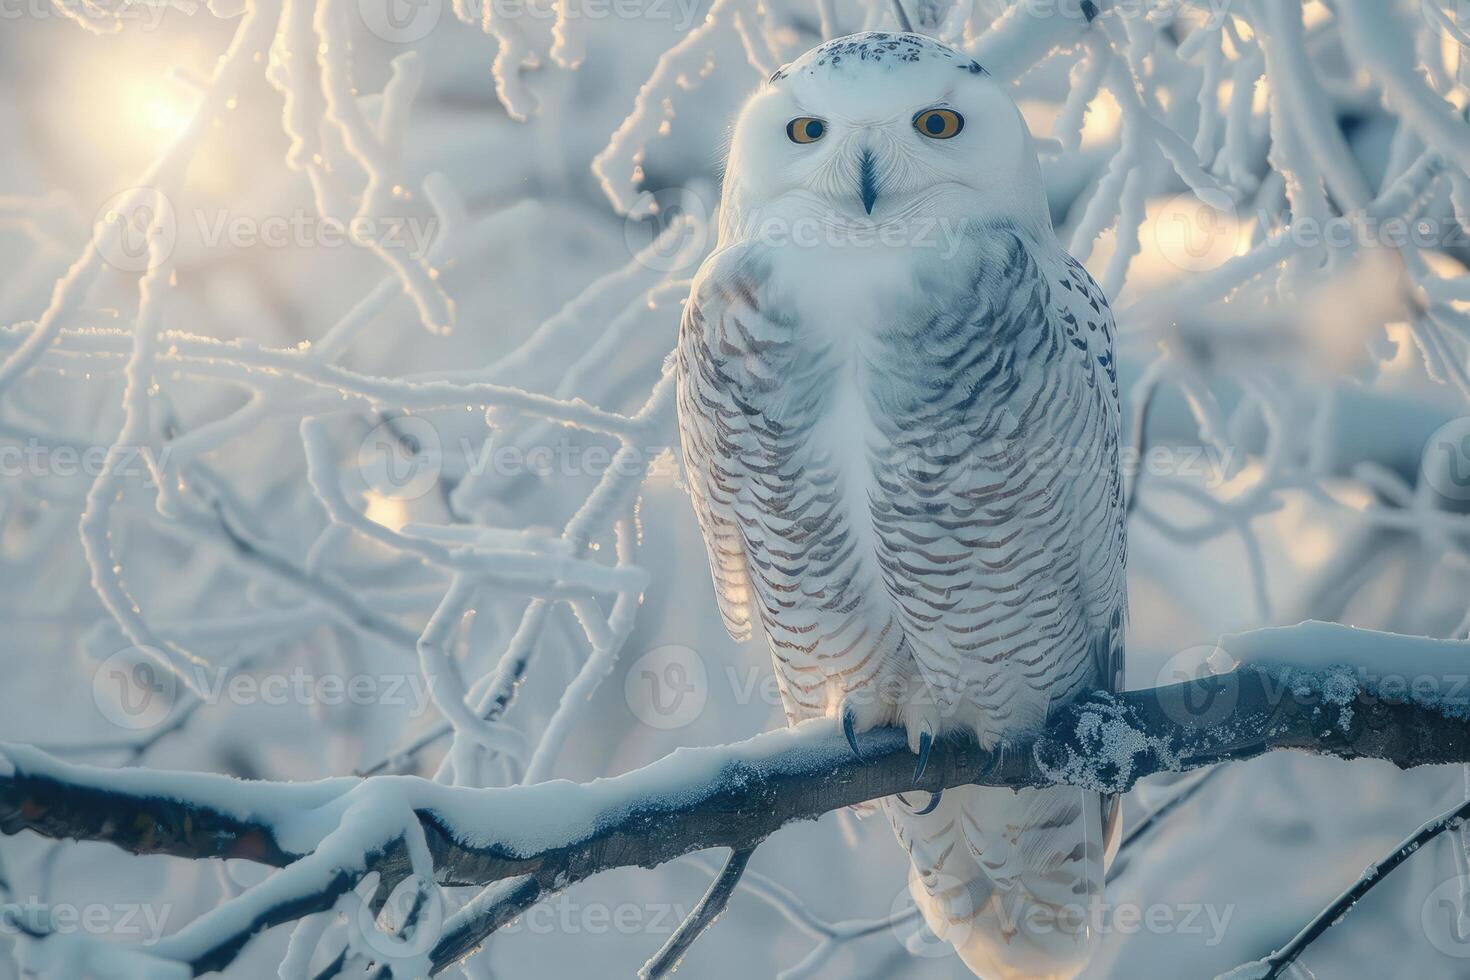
point(292, 260)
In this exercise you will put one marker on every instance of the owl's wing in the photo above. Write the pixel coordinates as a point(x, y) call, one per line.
point(718, 432)
point(1081, 311)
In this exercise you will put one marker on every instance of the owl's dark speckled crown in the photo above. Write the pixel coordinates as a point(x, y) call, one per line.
point(878, 47)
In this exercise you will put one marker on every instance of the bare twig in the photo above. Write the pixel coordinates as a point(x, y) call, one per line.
point(666, 960)
point(1280, 961)
point(487, 912)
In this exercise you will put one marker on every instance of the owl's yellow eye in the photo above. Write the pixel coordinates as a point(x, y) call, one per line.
point(939, 124)
point(805, 129)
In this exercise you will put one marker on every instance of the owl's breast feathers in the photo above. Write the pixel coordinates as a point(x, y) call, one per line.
point(940, 484)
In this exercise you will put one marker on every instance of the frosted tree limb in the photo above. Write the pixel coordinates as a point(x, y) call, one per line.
point(556, 834)
point(1374, 34)
point(297, 372)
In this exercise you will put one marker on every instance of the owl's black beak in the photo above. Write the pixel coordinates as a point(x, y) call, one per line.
point(868, 181)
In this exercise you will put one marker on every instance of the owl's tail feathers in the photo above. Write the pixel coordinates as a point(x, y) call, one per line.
point(1012, 880)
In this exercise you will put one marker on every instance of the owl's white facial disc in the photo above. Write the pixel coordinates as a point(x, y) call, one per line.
point(880, 127)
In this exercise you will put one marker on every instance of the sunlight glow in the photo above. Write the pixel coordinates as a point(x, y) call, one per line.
point(165, 112)
point(1100, 126)
point(390, 513)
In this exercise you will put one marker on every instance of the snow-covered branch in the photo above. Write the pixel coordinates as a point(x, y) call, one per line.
point(330, 835)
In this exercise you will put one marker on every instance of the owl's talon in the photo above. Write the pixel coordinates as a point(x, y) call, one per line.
point(926, 742)
point(934, 799)
point(849, 727)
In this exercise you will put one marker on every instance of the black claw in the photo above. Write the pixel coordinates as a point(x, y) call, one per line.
point(934, 799)
point(849, 720)
point(933, 802)
point(926, 742)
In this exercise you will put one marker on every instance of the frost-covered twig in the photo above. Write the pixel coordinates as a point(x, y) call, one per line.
point(304, 377)
point(1279, 962)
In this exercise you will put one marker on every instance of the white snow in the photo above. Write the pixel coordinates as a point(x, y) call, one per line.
point(1429, 671)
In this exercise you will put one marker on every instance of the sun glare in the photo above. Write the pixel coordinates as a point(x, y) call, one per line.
point(386, 511)
point(164, 112)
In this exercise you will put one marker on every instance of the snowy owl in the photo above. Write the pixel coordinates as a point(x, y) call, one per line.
point(899, 414)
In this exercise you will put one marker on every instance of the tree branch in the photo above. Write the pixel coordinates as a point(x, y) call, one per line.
point(47, 801)
point(666, 960)
point(543, 838)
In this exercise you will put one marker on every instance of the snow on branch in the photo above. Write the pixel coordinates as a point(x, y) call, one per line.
point(532, 841)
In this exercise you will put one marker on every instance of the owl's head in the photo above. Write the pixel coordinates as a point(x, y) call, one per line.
point(881, 126)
